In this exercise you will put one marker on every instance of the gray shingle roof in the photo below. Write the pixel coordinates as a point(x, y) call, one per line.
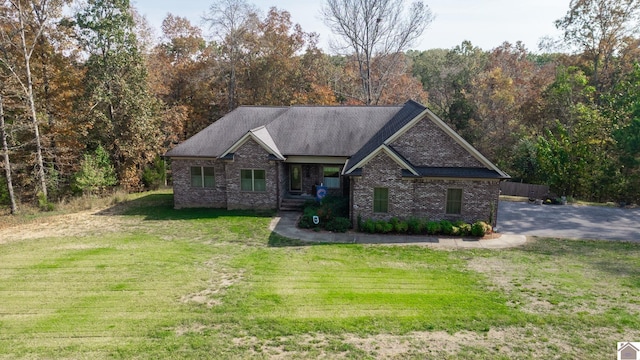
point(297, 130)
point(219, 136)
point(447, 172)
point(456, 172)
point(408, 112)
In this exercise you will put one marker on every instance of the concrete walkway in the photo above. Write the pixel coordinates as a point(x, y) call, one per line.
point(285, 224)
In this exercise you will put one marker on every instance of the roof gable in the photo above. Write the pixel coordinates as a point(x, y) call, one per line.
point(410, 111)
point(261, 136)
point(406, 119)
point(390, 152)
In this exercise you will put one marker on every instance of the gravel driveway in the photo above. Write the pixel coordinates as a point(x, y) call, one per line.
point(569, 221)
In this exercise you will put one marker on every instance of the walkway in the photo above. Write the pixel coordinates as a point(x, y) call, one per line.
point(285, 224)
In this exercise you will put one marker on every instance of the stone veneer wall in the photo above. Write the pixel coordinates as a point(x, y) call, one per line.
point(423, 198)
point(252, 156)
point(425, 144)
point(184, 195)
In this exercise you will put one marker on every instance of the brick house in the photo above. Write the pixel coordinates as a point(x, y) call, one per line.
point(390, 161)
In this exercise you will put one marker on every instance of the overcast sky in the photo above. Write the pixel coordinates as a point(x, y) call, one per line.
point(486, 23)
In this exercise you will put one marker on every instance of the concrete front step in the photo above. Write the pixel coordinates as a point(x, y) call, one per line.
point(292, 204)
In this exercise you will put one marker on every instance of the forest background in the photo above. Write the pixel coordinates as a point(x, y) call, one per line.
point(90, 99)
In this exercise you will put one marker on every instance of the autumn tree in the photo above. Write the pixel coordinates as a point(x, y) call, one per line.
point(181, 69)
point(371, 30)
point(24, 23)
point(118, 109)
point(600, 29)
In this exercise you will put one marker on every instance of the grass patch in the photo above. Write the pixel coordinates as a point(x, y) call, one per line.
point(142, 280)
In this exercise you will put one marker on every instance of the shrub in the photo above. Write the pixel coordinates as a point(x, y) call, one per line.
point(306, 222)
point(154, 175)
point(96, 172)
point(414, 226)
point(369, 226)
point(44, 204)
point(433, 228)
point(401, 227)
point(464, 229)
point(383, 227)
point(338, 224)
point(446, 227)
point(480, 228)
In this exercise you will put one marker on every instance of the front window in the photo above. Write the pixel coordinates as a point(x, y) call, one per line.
point(380, 200)
point(454, 201)
point(332, 177)
point(253, 180)
point(202, 176)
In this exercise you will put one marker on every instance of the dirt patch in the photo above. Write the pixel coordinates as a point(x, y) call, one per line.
point(89, 222)
point(508, 342)
point(221, 280)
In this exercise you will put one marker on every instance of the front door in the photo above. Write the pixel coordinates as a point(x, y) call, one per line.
point(295, 178)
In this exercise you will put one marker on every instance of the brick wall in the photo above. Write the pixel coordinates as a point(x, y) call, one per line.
point(425, 144)
point(381, 171)
point(479, 199)
point(252, 156)
point(424, 198)
point(184, 195)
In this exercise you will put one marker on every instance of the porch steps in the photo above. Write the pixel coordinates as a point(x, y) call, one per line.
point(288, 204)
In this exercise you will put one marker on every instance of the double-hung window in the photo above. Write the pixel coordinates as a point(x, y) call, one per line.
point(454, 201)
point(380, 200)
point(253, 180)
point(203, 177)
point(331, 177)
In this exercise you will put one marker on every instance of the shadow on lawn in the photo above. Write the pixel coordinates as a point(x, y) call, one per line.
point(160, 207)
point(277, 240)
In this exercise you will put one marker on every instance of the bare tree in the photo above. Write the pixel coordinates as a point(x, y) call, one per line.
point(599, 28)
point(5, 155)
point(229, 20)
point(376, 30)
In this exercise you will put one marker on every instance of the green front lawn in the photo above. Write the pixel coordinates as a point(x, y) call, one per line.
point(154, 282)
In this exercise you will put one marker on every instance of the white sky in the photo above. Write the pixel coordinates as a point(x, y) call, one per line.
point(486, 23)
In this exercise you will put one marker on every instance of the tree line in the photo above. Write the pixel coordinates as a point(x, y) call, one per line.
point(90, 100)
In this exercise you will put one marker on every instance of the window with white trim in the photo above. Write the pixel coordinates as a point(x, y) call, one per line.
point(331, 176)
point(454, 201)
point(202, 177)
point(253, 180)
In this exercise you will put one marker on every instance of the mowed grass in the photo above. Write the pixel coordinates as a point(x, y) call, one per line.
point(201, 283)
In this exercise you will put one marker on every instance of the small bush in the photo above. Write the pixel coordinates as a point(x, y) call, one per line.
point(306, 222)
point(464, 229)
point(401, 227)
point(44, 204)
point(383, 227)
point(446, 227)
point(339, 224)
point(415, 226)
point(433, 228)
point(480, 228)
point(369, 226)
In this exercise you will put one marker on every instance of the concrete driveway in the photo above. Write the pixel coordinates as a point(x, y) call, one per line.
point(569, 221)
